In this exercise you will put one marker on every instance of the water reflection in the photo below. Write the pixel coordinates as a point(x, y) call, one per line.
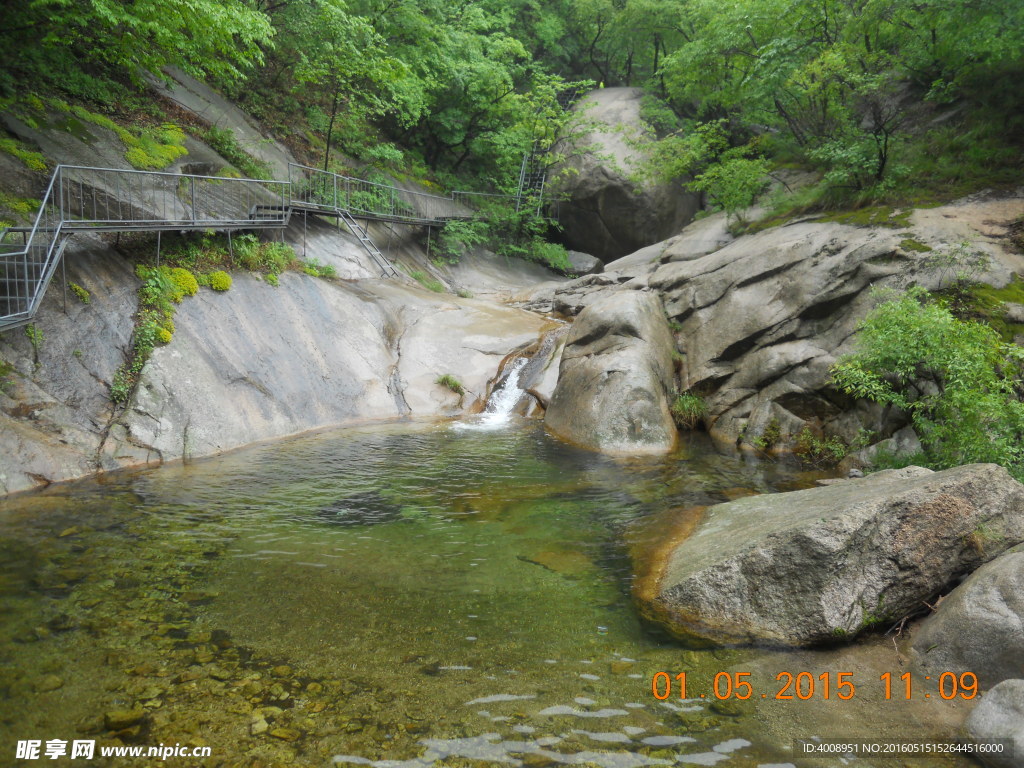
point(388, 596)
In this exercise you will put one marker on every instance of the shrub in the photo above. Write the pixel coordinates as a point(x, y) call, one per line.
point(688, 410)
point(225, 143)
point(449, 381)
point(426, 281)
point(33, 160)
point(80, 292)
point(164, 336)
point(957, 379)
point(220, 280)
point(820, 452)
point(185, 281)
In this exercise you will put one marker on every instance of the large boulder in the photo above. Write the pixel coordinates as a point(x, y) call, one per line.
point(614, 378)
point(606, 213)
point(1000, 715)
point(823, 564)
point(761, 318)
point(979, 627)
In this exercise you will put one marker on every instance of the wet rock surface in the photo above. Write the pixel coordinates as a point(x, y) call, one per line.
point(1000, 715)
point(614, 378)
point(979, 626)
point(760, 319)
point(823, 564)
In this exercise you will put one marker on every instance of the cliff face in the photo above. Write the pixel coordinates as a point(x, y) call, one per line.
point(253, 363)
point(759, 320)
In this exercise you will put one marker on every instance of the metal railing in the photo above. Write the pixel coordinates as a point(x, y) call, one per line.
point(26, 268)
point(81, 198)
point(108, 198)
point(314, 188)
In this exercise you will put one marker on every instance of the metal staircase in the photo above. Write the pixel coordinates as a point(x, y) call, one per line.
point(533, 177)
point(83, 199)
point(356, 229)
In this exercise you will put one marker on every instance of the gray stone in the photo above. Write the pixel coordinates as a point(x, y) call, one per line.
point(606, 213)
point(979, 627)
point(254, 363)
point(584, 264)
point(826, 563)
point(204, 102)
point(614, 378)
point(1014, 312)
point(1000, 715)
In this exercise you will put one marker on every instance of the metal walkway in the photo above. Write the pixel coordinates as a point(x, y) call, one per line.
point(82, 199)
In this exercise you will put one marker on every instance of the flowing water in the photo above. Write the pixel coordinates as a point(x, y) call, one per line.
point(390, 596)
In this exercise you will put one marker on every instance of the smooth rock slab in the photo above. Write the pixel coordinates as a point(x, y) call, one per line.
point(614, 378)
point(826, 563)
point(1000, 715)
point(979, 627)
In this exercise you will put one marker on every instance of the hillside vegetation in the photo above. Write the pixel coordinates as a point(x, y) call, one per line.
point(888, 100)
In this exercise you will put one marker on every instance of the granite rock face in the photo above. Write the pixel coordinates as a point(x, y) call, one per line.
point(1000, 715)
point(615, 378)
point(823, 564)
point(607, 214)
point(979, 627)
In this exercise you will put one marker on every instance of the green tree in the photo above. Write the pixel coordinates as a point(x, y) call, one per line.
point(958, 380)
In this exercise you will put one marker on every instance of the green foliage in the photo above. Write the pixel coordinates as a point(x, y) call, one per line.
point(428, 282)
point(34, 161)
point(35, 337)
point(958, 265)
point(957, 379)
point(460, 236)
point(6, 372)
point(910, 244)
point(452, 383)
point(733, 184)
point(688, 409)
point(314, 268)
point(161, 290)
point(80, 292)
point(273, 279)
point(770, 436)
point(220, 280)
point(219, 37)
point(730, 176)
point(152, 148)
point(269, 257)
point(184, 281)
point(819, 452)
point(20, 208)
point(225, 143)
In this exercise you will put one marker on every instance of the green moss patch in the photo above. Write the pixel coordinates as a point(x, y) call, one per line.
point(873, 216)
point(147, 148)
point(33, 160)
point(910, 244)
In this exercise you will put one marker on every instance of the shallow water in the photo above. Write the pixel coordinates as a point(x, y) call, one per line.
point(389, 596)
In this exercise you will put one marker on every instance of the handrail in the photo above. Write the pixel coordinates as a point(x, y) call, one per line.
point(85, 198)
point(25, 281)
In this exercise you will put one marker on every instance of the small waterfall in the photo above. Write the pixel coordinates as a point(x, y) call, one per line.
point(503, 399)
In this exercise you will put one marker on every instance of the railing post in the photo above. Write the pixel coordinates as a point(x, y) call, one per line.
point(192, 181)
point(348, 195)
point(335, 176)
point(60, 189)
